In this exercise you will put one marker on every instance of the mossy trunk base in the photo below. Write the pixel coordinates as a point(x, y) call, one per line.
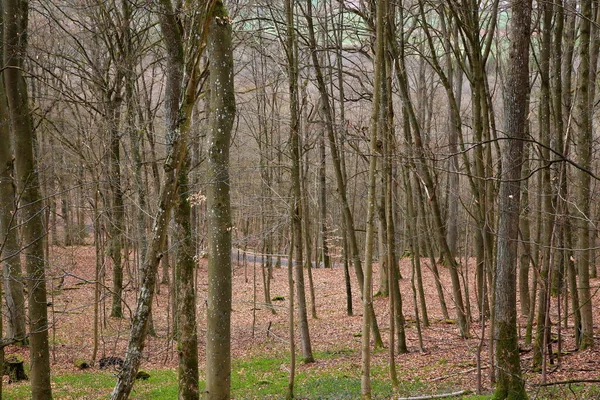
point(15, 369)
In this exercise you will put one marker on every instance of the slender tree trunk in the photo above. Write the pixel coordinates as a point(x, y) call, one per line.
point(9, 234)
point(388, 143)
point(31, 206)
point(525, 258)
point(374, 150)
point(509, 382)
point(323, 234)
point(187, 335)
point(117, 211)
point(178, 126)
point(218, 324)
point(425, 174)
point(290, 388)
point(297, 207)
point(584, 158)
point(336, 159)
point(547, 224)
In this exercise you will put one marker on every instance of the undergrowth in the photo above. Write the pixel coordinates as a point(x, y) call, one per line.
point(335, 376)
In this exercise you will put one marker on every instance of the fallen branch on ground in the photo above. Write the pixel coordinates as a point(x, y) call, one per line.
point(569, 382)
point(436, 396)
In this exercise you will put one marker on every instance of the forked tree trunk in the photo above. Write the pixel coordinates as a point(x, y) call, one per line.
point(425, 174)
point(547, 189)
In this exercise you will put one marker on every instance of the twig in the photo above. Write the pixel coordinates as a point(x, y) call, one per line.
point(569, 382)
point(8, 341)
point(436, 396)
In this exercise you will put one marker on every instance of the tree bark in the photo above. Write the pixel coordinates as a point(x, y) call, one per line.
point(222, 103)
point(584, 158)
point(179, 88)
point(117, 211)
point(374, 150)
point(336, 160)
point(296, 210)
point(9, 234)
point(509, 382)
point(28, 185)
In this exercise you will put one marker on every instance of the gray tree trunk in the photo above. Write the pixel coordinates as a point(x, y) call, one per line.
point(117, 211)
point(339, 170)
point(222, 103)
point(509, 382)
point(584, 158)
point(28, 185)
point(374, 152)
point(9, 234)
point(178, 119)
point(297, 207)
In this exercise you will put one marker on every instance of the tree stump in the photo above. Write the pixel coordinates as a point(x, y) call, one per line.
point(81, 363)
point(14, 368)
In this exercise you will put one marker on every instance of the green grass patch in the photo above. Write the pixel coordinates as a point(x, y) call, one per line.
point(334, 353)
point(162, 385)
point(252, 378)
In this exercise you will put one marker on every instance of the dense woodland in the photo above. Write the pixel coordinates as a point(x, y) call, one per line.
point(336, 134)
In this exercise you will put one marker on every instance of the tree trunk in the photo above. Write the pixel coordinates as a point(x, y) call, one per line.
point(187, 335)
point(336, 159)
point(509, 382)
point(28, 185)
point(9, 234)
point(374, 151)
point(290, 276)
point(323, 234)
point(117, 212)
point(584, 158)
point(178, 126)
point(222, 102)
point(525, 258)
point(296, 211)
point(440, 234)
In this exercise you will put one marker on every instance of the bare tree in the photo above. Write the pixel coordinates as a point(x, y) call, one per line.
point(30, 197)
point(509, 383)
point(291, 49)
point(222, 102)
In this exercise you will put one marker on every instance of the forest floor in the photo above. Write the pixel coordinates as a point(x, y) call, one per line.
point(446, 363)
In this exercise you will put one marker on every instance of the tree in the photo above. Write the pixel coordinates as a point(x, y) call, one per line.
point(378, 87)
point(222, 104)
point(181, 92)
point(30, 197)
point(509, 383)
point(584, 158)
point(339, 170)
point(178, 24)
point(291, 49)
point(9, 236)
